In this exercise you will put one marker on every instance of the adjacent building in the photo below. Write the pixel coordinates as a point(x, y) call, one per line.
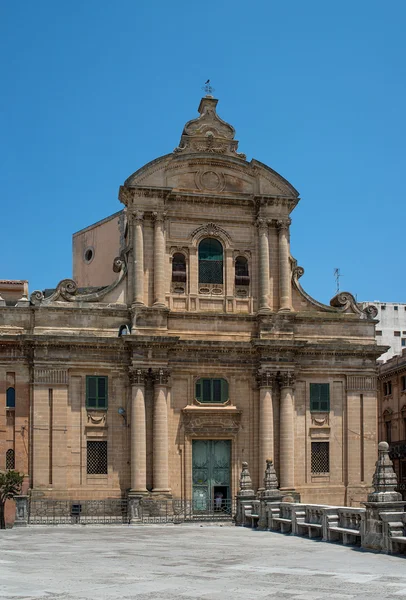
point(391, 329)
point(187, 345)
point(392, 413)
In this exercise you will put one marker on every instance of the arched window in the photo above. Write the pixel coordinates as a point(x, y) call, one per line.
point(212, 390)
point(10, 459)
point(179, 268)
point(10, 398)
point(210, 261)
point(241, 271)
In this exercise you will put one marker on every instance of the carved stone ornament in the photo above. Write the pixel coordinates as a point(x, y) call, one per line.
point(271, 487)
point(138, 376)
point(201, 422)
point(208, 133)
point(287, 379)
point(245, 481)
point(344, 302)
point(68, 291)
point(320, 420)
point(211, 229)
point(262, 224)
point(266, 378)
point(384, 480)
point(283, 225)
point(161, 376)
point(96, 419)
point(159, 217)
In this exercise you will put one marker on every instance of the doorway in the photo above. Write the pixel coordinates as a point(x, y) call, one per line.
point(211, 465)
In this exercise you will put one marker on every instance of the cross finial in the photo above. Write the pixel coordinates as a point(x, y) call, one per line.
point(208, 88)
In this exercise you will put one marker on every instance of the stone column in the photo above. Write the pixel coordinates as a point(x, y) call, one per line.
point(160, 433)
point(263, 265)
point(138, 433)
point(287, 432)
point(138, 255)
point(266, 428)
point(159, 259)
point(285, 285)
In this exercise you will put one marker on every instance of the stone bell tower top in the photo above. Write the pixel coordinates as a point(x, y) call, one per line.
point(208, 133)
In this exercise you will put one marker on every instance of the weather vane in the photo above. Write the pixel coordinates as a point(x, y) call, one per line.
point(208, 88)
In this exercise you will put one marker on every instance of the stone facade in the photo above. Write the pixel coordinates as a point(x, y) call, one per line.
point(392, 413)
point(202, 340)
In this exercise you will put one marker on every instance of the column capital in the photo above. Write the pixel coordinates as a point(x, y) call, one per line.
point(159, 216)
point(161, 376)
point(265, 378)
point(138, 215)
point(262, 224)
point(138, 376)
point(283, 224)
point(287, 379)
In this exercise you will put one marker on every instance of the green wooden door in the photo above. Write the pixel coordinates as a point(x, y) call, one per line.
point(211, 464)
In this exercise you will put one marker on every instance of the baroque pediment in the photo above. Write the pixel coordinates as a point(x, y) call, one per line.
point(199, 421)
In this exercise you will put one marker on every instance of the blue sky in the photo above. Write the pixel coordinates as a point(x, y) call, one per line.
point(93, 89)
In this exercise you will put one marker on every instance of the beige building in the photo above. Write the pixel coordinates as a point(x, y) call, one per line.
point(187, 345)
point(392, 413)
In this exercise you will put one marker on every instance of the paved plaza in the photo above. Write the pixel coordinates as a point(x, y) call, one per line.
point(188, 562)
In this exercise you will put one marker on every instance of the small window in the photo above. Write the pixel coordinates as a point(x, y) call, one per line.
point(10, 459)
point(320, 457)
point(97, 458)
point(10, 398)
point(378, 333)
point(383, 306)
point(396, 333)
point(88, 255)
point(388, 431)
point(96, 392)
point(395, 308)
point(403, 380)
point(403, 341)
point(387, 388)
point(320, 397)
point(212, 391)
point(210, 261)
point(241, 271)
point(179, 268)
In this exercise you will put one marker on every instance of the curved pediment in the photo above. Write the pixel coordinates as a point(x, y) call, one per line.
point(207, 161)
point(212, 174)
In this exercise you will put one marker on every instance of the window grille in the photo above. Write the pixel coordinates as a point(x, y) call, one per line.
point(96, 392)
point(320, 457)
point(10, 398)
point(97, 458)
point(10, 459)
point(320, 397)
point(210, 261)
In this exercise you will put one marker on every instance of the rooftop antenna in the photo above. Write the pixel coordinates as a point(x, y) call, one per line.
point(337, 276)
point(208, 88)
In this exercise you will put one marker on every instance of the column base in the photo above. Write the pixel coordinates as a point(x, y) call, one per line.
point(137, 304)
point(285, 309)
point(264, 310)
point(167, 492)
point(159, 305)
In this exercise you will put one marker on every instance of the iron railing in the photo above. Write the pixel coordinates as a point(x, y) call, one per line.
point(67, 512)
point(115, 511)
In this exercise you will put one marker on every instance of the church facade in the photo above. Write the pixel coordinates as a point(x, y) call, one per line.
point(187, 345)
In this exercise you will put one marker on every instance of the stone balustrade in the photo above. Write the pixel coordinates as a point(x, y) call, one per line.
point(381, 525)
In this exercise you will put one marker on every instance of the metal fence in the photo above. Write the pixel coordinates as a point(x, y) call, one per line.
point(115, 511)
point(67, 512)
point(179, 511)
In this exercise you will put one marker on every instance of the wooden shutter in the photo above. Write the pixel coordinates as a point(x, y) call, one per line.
point(320, 397)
